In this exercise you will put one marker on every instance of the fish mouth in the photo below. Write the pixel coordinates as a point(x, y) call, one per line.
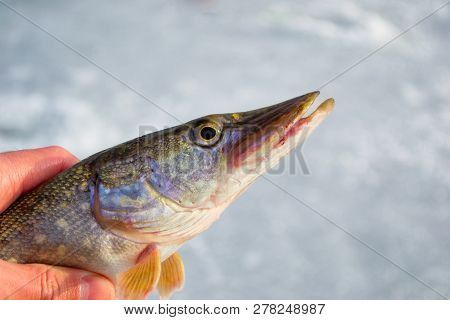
point(295, 121)
point(277, 129)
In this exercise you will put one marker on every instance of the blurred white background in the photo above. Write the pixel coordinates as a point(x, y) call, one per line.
point(379, 164)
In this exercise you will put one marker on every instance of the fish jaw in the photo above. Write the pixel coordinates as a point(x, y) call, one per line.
point(266, 136)
point(270, 129)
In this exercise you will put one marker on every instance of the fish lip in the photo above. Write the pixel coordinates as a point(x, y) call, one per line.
point(278, 123)
point(310, 122)
point(295, 115)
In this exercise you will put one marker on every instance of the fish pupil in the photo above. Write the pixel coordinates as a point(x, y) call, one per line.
point(208, 133)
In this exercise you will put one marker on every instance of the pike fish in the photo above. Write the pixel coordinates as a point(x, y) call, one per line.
point(125, 211)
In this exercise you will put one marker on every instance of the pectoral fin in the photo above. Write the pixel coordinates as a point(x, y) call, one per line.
point(172, 276)
point(139, 281)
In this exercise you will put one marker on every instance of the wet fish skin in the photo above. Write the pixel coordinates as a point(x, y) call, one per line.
point(158, 190)
point(53, 225)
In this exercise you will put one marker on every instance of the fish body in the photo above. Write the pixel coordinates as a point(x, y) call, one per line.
point(124, 212)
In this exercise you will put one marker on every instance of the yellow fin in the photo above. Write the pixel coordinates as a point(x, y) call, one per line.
point(172, 276)
point(139, 281)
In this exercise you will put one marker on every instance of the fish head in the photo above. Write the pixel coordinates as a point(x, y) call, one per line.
point(190, 173)
point(208, 161)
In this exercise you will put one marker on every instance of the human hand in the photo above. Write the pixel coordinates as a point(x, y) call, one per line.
point(21, 171)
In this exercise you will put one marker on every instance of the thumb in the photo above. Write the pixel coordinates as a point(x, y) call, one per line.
point(38, 281)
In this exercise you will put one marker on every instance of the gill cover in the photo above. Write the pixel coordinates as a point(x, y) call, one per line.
point(149, 193)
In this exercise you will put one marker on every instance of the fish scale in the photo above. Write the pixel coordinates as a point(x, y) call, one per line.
point(124, 211)
point(59, 214)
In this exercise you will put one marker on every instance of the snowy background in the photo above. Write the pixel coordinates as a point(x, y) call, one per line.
point(379, 164)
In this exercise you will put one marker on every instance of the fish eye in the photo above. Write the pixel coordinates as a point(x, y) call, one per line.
point(207, 133)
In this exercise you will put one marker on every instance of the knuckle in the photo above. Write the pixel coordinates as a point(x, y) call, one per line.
point(50, 287)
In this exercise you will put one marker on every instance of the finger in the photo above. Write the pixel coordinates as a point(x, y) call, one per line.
point(21, 171)
point(37, 281)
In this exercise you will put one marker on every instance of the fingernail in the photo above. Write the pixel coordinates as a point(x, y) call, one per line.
point(95, 287)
